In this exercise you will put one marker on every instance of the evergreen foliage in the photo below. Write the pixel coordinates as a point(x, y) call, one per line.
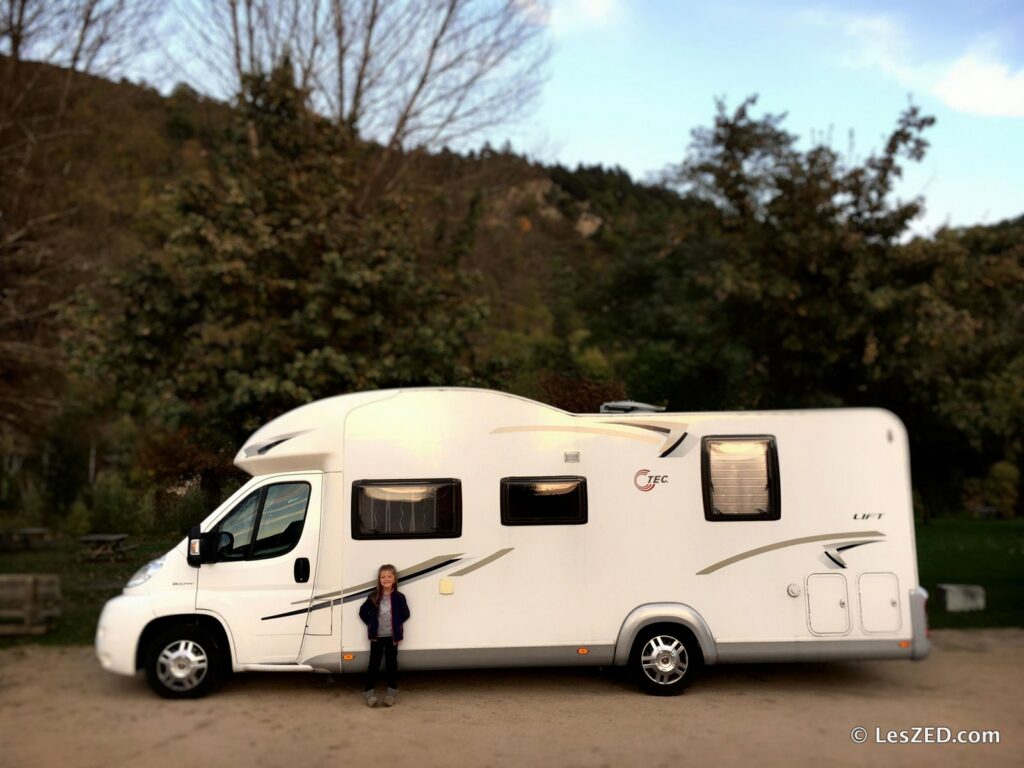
point(794, 288)
point(266, 290)
point(245, 271)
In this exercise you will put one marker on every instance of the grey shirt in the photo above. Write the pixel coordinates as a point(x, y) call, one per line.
point(384, 617)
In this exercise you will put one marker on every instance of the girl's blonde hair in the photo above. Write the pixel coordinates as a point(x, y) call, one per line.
point(378, 593)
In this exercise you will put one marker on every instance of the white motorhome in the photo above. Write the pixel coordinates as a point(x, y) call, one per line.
point(528, 536)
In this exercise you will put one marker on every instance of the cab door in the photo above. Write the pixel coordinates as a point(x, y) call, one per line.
point(261, 584)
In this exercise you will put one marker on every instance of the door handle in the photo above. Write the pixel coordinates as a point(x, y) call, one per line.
point(301, 570)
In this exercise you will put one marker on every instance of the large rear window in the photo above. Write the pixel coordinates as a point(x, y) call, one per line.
point(406, 509)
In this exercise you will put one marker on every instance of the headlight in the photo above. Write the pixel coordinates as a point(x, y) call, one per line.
point(142, 575)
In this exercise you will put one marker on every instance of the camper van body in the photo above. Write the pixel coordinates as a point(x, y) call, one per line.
point(653, 574)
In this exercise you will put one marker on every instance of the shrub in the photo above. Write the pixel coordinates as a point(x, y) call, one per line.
point(79, 520)
point(996, 491)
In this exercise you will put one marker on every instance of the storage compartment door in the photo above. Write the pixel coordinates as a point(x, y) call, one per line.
point(828, 611)
point(879, 602)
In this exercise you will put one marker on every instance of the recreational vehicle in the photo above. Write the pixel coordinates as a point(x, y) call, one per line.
point(528, 536)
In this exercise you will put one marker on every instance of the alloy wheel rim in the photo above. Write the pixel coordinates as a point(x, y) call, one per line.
point(182, 665)
point(664, 660)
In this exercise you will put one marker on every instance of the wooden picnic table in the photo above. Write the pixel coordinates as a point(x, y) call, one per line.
point(104, 546)
point(31, 538)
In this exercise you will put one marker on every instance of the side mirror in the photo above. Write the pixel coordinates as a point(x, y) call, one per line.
point(202, 547)
point(222, 542)
point(195, 547)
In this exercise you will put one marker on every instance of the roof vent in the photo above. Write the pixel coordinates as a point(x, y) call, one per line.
point(629, 406)
point(260, 449)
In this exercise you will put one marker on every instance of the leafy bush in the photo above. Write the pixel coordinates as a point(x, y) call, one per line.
point(79, 520)
point(998, 490)
point(114, 505)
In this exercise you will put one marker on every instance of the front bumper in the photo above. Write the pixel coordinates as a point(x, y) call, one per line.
point(119, 629)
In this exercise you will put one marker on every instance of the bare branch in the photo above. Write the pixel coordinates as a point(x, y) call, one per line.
point(402, 72)
point(366, 59)
point(341, 52)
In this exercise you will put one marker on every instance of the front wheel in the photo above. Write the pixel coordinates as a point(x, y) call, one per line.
point(666, 660)
point(183, 662)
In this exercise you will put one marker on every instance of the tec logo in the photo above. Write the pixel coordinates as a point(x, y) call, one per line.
point(644, 481)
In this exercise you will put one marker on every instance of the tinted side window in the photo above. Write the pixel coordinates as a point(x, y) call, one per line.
point(406, 509)
point(740, 478)
point(239, 523)
point(282, 519)
point(543, 501)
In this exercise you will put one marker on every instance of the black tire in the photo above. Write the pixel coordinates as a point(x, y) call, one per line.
point(184, 662)
point(665, 660)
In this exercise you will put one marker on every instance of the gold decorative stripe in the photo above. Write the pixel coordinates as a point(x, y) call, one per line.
point(783, 544)
point(485, 561)
point(584, 430)
point(367, 584)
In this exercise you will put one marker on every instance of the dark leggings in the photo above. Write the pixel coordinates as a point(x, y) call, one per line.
point(384, 647)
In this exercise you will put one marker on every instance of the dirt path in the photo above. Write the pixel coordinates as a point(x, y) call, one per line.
point(58, 708)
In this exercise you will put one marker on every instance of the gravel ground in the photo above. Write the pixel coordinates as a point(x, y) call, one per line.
point(58, 708)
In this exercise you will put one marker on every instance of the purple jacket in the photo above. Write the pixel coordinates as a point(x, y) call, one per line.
point(399, 615)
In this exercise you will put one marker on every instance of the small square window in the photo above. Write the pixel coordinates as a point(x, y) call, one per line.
point(740, 478)
point(543, 501)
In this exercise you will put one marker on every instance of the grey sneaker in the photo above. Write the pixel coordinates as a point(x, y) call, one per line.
point(371, 698)
point(389, 697)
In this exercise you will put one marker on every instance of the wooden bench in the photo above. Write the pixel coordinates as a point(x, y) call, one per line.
point(28, 602)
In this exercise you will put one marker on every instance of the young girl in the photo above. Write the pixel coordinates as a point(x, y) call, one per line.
point(384, 613)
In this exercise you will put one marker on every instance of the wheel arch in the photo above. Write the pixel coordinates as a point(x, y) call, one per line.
point(650, 614)
point(206, 622)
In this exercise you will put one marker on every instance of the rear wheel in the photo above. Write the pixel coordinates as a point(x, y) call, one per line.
point(665, 660)
point(184, 662)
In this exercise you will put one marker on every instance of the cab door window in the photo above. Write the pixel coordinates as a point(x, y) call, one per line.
point(282, 518)
point(276, 512)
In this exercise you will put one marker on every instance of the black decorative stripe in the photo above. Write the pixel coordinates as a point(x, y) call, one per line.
point(662, 430)
point(674, 445)
point(851, 546)
point(361, 594)
point(837, 562)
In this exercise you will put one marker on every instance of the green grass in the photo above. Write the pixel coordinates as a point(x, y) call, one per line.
point(85, 586)
point(985, 552)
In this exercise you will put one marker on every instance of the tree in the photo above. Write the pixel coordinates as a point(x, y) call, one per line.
point(787, 283)
point(762, 299)
point(264, 291)
point(79, 36)
point(402, 74)
point(46, 46)
point(409, 73)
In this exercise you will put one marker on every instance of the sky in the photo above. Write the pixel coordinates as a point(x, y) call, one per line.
point(629, 81)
